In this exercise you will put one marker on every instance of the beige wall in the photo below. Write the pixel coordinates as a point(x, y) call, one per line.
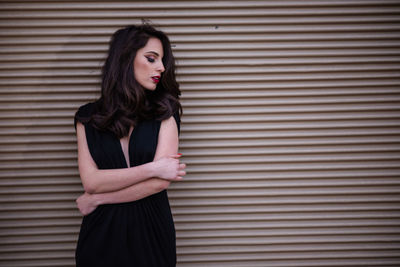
point(290, 128)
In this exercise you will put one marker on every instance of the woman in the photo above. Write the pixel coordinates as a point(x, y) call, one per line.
point(127, 155)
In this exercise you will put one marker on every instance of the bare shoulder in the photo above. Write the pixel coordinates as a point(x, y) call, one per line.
point(79, 125)
point(169, 125)
point(80, 130)
point(168, 140)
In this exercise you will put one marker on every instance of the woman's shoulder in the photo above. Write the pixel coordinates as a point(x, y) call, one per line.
point(86, 109)
point(175, 116)
point(84, 113)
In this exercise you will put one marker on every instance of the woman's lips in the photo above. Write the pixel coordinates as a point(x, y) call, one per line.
point(155, 79)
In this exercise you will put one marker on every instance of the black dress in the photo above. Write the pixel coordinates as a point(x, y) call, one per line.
point(139, 233)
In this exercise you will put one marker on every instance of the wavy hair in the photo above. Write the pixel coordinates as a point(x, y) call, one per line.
point(123, 101)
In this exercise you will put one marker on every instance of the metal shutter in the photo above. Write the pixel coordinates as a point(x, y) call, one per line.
point(290, 128)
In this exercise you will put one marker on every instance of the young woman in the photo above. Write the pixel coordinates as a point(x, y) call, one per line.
point(127, 155)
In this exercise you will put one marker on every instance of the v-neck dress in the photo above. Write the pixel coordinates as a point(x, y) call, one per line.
point(140, 233)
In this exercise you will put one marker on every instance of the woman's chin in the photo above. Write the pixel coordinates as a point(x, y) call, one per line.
point(152, 88)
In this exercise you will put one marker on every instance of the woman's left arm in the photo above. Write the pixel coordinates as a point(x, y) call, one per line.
point(168, 143)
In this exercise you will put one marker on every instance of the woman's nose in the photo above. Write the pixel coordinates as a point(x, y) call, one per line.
point(160, 67)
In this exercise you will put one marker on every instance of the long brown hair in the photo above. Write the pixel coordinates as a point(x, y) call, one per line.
point(123, 101)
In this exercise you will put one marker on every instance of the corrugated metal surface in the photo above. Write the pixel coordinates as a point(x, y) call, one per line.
point(290, 128)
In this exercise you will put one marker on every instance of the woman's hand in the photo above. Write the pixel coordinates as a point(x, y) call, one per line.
point(169, 168)
point(86, 204)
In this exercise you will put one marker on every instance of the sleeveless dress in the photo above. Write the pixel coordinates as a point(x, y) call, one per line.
point(140, 233)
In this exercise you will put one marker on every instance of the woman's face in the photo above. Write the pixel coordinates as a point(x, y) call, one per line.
point(148, 64)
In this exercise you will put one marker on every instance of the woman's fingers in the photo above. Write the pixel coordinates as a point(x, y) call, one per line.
point(181, 167)
point(171, 167)
point(182, 171)
point(176, 156)
point(180, 175)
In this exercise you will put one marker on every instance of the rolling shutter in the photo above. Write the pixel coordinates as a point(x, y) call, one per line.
point(290, 128)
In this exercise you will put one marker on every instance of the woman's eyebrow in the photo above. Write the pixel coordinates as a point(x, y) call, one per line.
point(153, 52)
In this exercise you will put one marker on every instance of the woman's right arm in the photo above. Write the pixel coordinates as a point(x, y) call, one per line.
point(95, 180)
point(89, 202)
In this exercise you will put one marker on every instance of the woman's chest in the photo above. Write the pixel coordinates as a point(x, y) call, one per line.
point(109, 152)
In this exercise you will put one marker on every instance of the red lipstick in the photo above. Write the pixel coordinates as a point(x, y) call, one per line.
point(156, 79)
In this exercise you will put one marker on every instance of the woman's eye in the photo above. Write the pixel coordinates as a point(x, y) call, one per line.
point(149, 59)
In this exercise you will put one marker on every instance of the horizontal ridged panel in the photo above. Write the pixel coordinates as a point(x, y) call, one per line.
point(291, 128)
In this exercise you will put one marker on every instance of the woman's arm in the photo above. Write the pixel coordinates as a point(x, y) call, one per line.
point(89, 202)
point(100, 181)
point(167, 144)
